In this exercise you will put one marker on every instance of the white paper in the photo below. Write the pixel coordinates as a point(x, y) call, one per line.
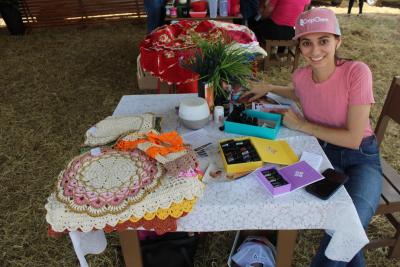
point(198, 138)
point(280, 99)
point(93, 242)
point(313, 159)
point(95, 151)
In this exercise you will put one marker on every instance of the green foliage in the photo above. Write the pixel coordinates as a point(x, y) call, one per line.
point(218, 62)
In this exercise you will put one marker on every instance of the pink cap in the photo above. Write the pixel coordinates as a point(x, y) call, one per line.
point(316, 20)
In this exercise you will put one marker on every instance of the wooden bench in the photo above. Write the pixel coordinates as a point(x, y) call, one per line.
point(289, 58)
point(390, 198)
point(45, 13)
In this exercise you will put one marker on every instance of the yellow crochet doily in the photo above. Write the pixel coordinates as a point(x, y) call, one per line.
point(176, 211)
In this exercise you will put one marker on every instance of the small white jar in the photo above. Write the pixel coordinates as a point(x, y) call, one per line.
point(219, 115)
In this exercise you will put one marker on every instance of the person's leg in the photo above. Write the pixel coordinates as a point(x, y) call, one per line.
point(155, 13)
point(351, 2)
point(360, 6)
point(248, 9)
point(321, 260)
point(364, 187)
point(285, 33)
point(264, 30)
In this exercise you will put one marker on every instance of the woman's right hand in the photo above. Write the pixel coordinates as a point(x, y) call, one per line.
point(256, 90)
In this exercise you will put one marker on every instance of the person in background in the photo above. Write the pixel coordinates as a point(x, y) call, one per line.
point(278, 19)
point(360, 7)
point(155, 10)
point(249, 10)
point(336, 97)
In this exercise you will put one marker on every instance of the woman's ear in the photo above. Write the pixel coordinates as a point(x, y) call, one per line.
point(338, 42)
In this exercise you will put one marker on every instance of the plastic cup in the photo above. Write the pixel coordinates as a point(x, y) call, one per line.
point(213, 5)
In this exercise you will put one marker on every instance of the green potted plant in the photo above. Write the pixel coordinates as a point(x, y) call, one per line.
point(12, 17)
point(218, 64)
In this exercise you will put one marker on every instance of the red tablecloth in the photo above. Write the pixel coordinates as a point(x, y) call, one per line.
point(162, 49)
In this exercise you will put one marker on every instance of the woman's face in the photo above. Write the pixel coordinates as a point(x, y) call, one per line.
point(319, 48)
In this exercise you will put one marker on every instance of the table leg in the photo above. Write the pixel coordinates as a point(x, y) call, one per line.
point(285, 247)
point(130, 245)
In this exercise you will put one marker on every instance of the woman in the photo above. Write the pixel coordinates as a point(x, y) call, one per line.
point(336, 97)
point(278, 20)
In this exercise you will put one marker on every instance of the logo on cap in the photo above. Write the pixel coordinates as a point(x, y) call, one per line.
point(303, 22)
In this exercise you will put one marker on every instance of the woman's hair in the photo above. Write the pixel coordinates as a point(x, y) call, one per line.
point(339, 61)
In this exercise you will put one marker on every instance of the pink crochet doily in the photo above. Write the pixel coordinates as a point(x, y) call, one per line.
point(107, 183)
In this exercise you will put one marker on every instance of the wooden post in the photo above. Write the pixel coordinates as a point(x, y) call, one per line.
point(130, 245)
point(285, 247)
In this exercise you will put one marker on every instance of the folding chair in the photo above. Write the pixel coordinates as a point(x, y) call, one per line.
point(390, 197)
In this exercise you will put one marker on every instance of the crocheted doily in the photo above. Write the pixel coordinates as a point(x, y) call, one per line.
point(164, 220)
point(171, 190)
point(107, 183)
point(111, 128)
point(157, 225)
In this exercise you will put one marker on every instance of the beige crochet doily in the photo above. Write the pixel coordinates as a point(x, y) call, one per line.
point(171, 190)
point(108, 182)
point(111, 128)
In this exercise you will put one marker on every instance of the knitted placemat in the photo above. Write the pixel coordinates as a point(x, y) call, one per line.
point(107, 183)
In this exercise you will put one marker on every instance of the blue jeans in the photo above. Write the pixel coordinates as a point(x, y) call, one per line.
point(364, 186)
point(155, 10)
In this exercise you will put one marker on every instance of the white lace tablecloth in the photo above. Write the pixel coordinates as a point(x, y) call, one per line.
point(244, 204)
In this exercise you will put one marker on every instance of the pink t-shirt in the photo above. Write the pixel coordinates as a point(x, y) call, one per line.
point(287, 11)
point(327, 103)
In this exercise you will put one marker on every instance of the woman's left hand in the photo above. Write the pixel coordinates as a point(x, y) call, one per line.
point(292, 120)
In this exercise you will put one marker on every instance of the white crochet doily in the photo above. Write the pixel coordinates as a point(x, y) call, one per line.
point(111, 128)
point(171, 190)
point(108, 182)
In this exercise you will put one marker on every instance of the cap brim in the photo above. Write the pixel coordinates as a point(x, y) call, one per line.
point(305, 33)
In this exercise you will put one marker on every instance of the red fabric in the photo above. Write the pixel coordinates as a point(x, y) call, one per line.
point(163, 49)
point(186, 88)
point(234, 7)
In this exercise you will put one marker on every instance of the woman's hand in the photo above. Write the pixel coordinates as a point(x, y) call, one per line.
point(292, 120)
point(256, 90)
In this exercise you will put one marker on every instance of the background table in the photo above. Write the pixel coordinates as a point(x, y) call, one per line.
point(244, 204)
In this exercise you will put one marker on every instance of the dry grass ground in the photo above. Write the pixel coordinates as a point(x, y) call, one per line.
point(56, 83)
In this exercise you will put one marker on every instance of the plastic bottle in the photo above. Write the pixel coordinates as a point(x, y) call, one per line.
point(223, 8)
point(219, 115)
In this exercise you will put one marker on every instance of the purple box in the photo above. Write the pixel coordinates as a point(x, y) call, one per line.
point(274, 190)
point(297, 175)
